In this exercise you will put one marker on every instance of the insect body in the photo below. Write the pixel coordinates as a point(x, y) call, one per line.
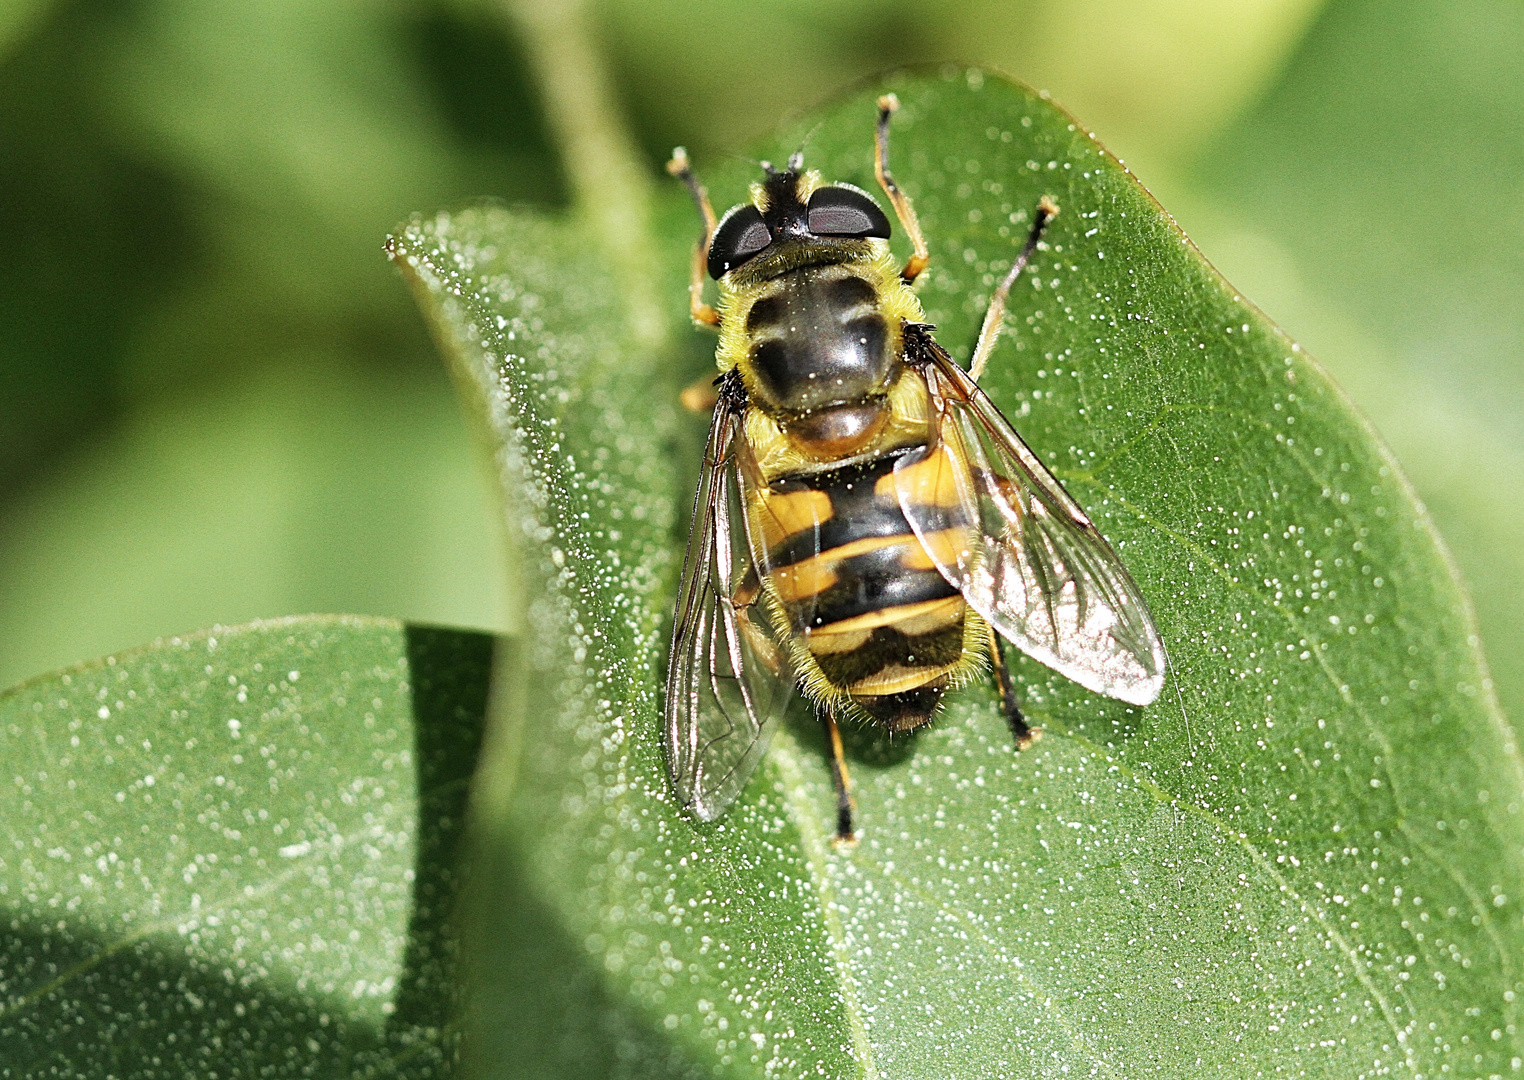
point(867, 525)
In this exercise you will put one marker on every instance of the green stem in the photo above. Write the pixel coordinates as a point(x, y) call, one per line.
point(611, 188)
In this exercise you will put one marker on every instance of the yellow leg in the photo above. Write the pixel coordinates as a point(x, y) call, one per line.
point(989, 333)
point(897, 198)
point(699, 395)
point(702, 313)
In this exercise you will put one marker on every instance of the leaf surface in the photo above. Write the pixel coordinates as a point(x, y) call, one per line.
point(234, 854)
point(1305, 858)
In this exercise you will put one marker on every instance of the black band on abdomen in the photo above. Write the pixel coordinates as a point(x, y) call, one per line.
point(858, 511)
point(872, 581)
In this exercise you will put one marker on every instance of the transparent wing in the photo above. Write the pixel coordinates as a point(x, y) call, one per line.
point(784, 522)
point(727, 681)
point(1032, 564)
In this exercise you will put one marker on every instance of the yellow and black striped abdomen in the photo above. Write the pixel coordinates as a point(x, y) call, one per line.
point(868, 615)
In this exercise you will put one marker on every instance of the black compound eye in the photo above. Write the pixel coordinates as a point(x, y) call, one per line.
point(844, 211)
point(741, 235)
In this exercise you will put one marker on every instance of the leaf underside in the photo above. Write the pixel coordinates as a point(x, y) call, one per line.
point(1304, 859)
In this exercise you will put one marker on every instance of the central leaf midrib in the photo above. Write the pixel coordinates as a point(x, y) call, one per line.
point(804, 814)
point(1040, 994)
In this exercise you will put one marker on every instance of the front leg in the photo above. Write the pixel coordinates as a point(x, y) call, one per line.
point(897, 198)
point(702, 313)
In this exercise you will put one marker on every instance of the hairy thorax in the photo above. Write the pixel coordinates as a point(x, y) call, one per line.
point(820, 351)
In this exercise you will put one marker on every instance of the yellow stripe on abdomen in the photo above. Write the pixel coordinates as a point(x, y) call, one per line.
point(945, 547)
point(910, 619)
point(781, 515)
point(931, 482)
point(897, 678)
point(814, 575)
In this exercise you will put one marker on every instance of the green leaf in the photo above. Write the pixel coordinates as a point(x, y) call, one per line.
point(1304, 859)
point(1426, 331)
point(233, 854)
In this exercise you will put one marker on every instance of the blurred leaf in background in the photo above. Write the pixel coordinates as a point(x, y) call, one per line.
point(218, 403)
point(16, 20)
point(1373, 204)
point(1157, 78)
point(96, 231)
point(196, 190)
point(320, 487)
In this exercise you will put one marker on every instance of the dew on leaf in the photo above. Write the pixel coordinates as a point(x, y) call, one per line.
point(1221, 864)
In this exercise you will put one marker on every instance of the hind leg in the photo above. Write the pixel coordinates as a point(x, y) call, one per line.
point(846, 832)
point(1024, 735)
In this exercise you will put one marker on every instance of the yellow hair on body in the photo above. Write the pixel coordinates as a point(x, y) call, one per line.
point(778, 455)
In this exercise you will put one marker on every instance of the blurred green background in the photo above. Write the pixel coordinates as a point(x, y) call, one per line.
point(217, 402)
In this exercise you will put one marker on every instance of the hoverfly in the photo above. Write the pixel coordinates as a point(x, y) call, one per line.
point(867, 525)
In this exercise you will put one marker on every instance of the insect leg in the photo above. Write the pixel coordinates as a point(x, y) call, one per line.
point(1023, 734)
point(680, 167)
point(845, 832)
point(989, 333)
point(699, 395)
point(897, 198)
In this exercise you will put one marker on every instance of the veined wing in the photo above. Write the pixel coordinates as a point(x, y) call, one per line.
point(727, 680)
point(1032, 564)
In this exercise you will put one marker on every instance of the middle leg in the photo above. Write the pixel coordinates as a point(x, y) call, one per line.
point(989, 333)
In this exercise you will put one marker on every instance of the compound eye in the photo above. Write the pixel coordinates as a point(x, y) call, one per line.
point(845, 211)
point(741, 235)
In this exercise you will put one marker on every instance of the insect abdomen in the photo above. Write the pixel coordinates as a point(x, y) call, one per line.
point(862, 597)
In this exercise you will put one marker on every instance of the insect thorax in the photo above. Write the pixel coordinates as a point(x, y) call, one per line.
point(819, 347)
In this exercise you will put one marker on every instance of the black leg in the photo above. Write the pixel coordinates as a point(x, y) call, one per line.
point(845, 832)
point(1023, 734)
